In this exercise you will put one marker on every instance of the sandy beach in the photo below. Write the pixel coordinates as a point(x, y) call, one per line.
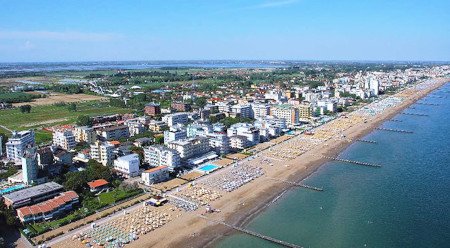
point(292, 160)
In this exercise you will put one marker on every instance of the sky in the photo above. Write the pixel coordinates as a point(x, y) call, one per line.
point(116, 30)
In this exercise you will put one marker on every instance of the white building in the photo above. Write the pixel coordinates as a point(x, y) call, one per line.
point(275, 95)
point(127, 165)
point(29, 166)
point(135, 128)
point(190, 147)
point(224, 107)
point(155, 175)
point(160, 155)
point(374, 86)
point(177, 118)
point(65, 139)
point(260, 110)
point(199, 129)
point(239, 142)
point(1, 146)
point(246, 130)
point(327, 105)
point(219, 142)
point(177, 132)
point(102, 152)
point(242, 110)
point(19, 141)
point(85, 134)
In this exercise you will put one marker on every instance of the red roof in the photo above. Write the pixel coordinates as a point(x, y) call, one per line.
point(156, 169)
point(47, 206)
point(98, 183)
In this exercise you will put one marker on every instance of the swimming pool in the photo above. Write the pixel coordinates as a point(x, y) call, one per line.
point(208, 168)
point(12, 189)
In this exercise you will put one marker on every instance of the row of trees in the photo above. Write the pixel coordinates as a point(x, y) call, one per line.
point(17, 97)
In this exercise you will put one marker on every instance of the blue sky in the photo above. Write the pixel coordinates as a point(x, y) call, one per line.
point(78, 30)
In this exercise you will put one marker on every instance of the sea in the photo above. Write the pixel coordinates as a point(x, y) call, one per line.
point(405, 203)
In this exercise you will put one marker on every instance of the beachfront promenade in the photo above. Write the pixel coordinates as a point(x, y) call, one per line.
point(229, 187)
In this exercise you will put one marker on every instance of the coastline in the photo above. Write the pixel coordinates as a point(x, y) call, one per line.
point(243, 217)
point(244, 204)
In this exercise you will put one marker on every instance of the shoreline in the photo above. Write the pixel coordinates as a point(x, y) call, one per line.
point(244, 217)
point(242, 205)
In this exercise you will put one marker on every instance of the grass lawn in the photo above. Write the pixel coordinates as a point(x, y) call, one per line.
point(114, 196)
point(50, 115)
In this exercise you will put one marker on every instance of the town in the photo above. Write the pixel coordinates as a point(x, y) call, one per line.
point(154, 160)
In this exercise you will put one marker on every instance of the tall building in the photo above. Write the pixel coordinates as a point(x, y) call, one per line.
point(260, 110)
point(242, 110)
point(152, 109)
point(127, 165)
point(160, 155)
point(30, 167)
point(102, 152)
point(191, 147)
point(65, 139)
point(246, 130)
point(19, 141)
point(374, 86)
point(219, 142)
point(305, 111)
point(85, 134)
point(287, 112)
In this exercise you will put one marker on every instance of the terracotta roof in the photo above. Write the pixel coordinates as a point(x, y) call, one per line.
point(156, 169)
point(98, 183)
point(114, 142)
point(47, 206)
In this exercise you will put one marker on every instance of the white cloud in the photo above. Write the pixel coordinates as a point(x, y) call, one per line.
point(58, 36)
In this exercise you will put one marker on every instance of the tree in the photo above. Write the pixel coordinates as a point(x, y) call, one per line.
point(84, 120)
point(200, 102)
point(75, 181)
point(25, 108)
point(96, 170)
point(72, 107)
point(159, 139)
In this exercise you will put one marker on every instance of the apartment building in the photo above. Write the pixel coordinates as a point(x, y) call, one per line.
point(160, 155)
point(64, 139)
point(103, 152)
point(19, 141)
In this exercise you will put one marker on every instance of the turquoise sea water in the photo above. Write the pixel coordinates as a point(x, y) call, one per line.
point(405, 203)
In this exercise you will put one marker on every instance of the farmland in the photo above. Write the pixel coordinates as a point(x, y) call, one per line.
point(49, 115)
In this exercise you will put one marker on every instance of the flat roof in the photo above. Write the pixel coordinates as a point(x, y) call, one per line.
point(33, 191)
point(156, 169)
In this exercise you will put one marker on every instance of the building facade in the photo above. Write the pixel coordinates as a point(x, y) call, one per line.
point(102, 152)
point(64, 139)
point(155, 175)
point(127, 165)
point(160, 155)
point(19, 141)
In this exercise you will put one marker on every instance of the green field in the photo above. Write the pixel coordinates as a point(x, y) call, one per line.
point(50, 115)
